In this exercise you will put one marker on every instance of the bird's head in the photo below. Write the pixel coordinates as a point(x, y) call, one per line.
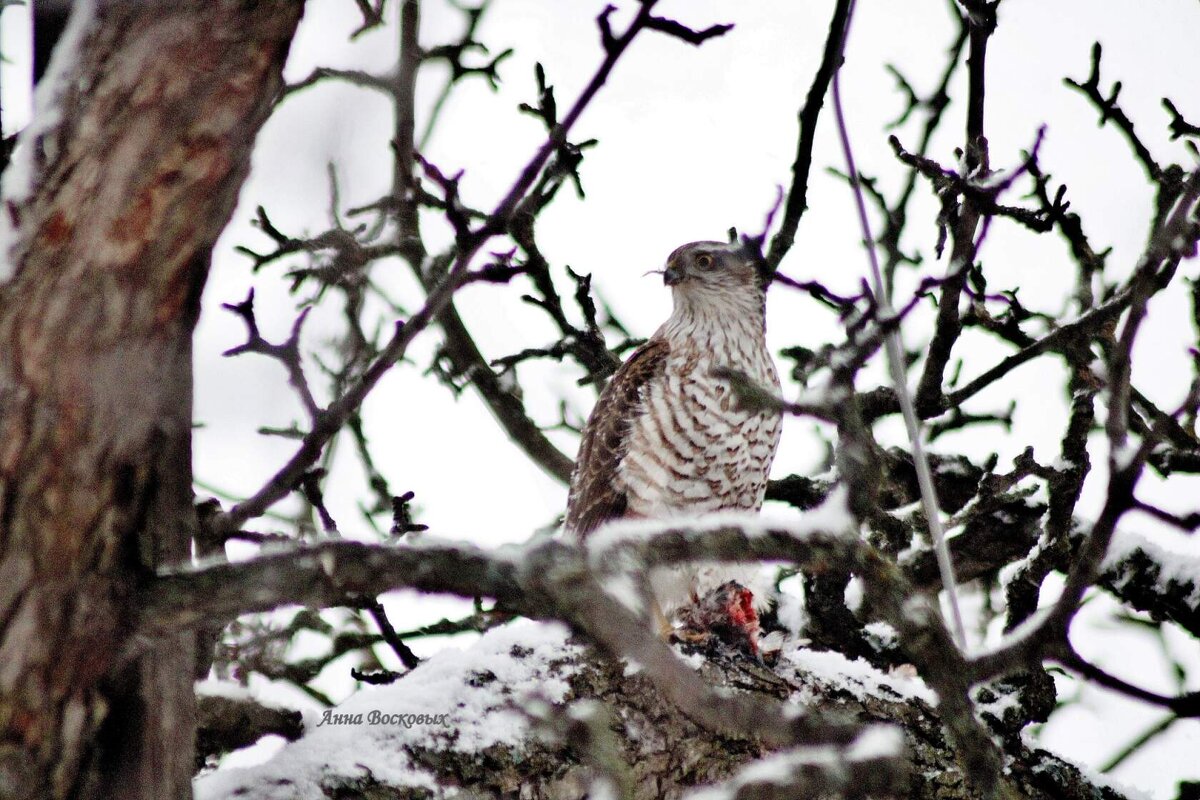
point(703, 273)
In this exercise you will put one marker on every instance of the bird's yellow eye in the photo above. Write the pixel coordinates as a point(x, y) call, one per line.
point(704, 261)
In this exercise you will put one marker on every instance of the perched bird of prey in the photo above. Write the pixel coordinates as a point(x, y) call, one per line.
point(668, 436)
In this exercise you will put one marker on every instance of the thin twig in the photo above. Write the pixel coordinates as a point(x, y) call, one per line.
point(797, 198)
point(330, 420)
point(896, 365)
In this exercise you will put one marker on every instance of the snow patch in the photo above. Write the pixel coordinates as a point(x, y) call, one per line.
point(876, 741)
point(1123, 455)
point(858, 677)
point(624, 589)
point(853, 594)
point(1095, 778)
point(999, 706)
point(831, 517)
point(1176, 566)
point(779, 769)
point(882, 634)
point(693, 660)
point(471, 693)
point(790, 611)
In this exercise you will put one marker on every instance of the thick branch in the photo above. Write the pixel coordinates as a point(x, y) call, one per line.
point(321, 575)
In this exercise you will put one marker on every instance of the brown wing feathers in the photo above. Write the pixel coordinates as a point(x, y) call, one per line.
point(595, 496)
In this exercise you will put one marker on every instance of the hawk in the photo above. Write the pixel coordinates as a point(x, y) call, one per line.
point(667, 436)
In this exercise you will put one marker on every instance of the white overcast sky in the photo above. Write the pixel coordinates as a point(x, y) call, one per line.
point(693, 141)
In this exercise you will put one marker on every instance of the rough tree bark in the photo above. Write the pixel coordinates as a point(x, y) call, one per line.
point(612, 725)
point(160, 104)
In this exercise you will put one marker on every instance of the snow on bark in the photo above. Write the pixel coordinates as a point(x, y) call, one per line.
point(855, 676)
point(489, 748)
point(459, 700)
point(1177, 569)
point(831, 517)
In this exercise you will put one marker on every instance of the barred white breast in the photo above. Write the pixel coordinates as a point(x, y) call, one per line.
point(668, 437)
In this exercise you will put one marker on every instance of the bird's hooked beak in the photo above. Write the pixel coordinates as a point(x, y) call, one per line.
point(672, 275)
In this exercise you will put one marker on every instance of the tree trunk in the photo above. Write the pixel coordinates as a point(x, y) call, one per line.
point(138, 173)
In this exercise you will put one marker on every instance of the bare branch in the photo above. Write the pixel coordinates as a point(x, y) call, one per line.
point(1109, 110)
point(352, 76)
point(797, 196)
point(1179, 125)
point(287, 354)
point(682, 32)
